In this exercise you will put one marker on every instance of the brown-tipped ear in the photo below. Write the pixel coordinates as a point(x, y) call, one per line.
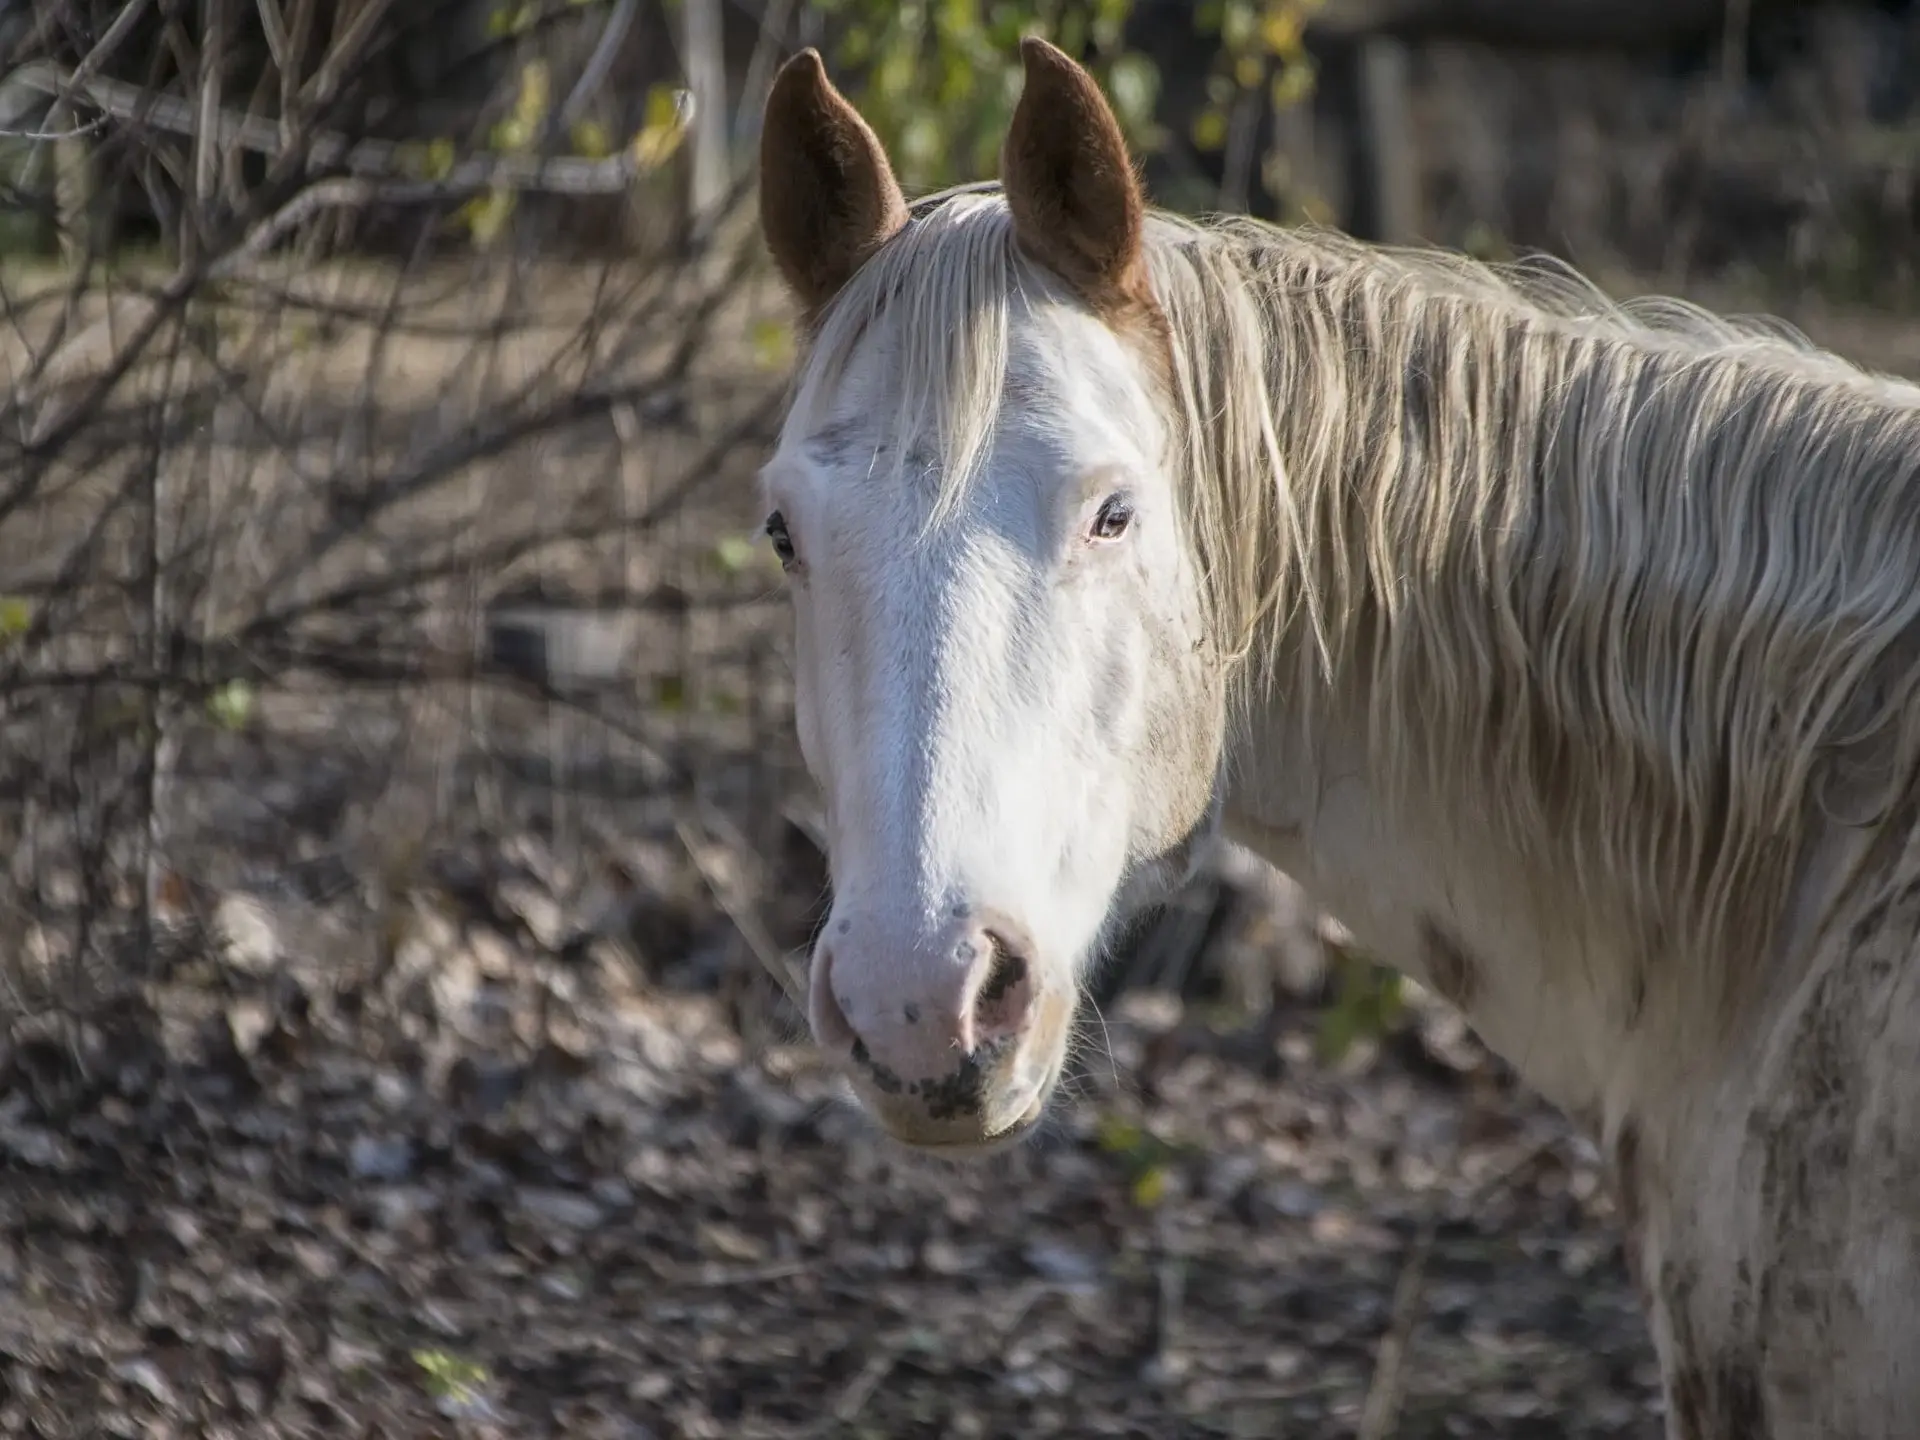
point(828, 198)
point(1076, 203)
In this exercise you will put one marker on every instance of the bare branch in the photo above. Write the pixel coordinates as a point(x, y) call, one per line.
point(93, 126)
point(375, 159)
point(104, 48)
point(275, 31)
point(594, 74)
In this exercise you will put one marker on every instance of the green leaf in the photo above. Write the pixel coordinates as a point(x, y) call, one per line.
point(937, 79)
point(514, 19)
point(957, 17)
point(1238, 25)
point(894, 76)
point(16, 617)
point(536, 93)
point(438, 162)
point(1133, 83)
point(920, 145)
point(772, 342)
point(1370, 1004)
point(734, 553)
point(448, 1376)
point(1281, 31)
point(1293, 83)
point(1210, 129)
point(232, 705)
point(664, 127)
point(1150, 1187)
point(1119, 1137)
point(486, 216)
point(589, 137)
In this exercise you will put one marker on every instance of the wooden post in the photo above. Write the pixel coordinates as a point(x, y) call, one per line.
point(1390, 192)
point(711, 165)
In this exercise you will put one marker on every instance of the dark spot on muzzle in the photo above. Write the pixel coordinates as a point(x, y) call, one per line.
point(962, 1092)
point(883, 1079)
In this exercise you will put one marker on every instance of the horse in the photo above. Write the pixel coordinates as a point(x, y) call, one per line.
point(1566, 650)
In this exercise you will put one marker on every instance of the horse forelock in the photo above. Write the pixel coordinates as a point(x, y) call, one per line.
point(940, 293)
point(1647, 565)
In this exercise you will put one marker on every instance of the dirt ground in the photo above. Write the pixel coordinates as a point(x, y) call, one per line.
point(497, 1193)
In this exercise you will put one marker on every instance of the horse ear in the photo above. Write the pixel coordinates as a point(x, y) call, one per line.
point(1076, 202)
point(828, 198)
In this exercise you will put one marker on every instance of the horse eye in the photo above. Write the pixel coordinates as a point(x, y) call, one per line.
point(1116, 513)
point(782, 541)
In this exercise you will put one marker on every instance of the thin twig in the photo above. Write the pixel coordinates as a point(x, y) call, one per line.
point(716, 1278)
point(103, 49)
point(594, 74)
point(769, 48)
point(1170, 1294)
point(1382, 1410)
point(299, 31)
point(853, 1399)
point(341, 56)
point(206, 143)
point(79, 131)
point(275, 31)
point(744, 920)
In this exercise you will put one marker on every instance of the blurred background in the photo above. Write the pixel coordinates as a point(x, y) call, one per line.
point(404, 833)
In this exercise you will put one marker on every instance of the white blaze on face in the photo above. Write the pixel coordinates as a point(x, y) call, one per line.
point(983, 701)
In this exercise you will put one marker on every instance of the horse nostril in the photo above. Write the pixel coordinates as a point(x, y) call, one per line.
point(1009, 969)
point(934, 1009)
point(1006, 993)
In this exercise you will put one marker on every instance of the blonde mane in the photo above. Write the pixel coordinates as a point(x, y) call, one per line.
point(1652, 568)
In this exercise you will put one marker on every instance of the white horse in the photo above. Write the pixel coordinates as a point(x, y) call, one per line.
point(1568, 653)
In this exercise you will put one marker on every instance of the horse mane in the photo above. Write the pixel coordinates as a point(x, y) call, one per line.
point(1617, 579)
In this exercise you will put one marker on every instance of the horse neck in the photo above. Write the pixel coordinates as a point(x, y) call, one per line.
point(1567, 963)
point(1345, 784)
point(1426, 892)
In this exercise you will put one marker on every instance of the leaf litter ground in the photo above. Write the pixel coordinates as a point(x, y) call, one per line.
point(480, 1190)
